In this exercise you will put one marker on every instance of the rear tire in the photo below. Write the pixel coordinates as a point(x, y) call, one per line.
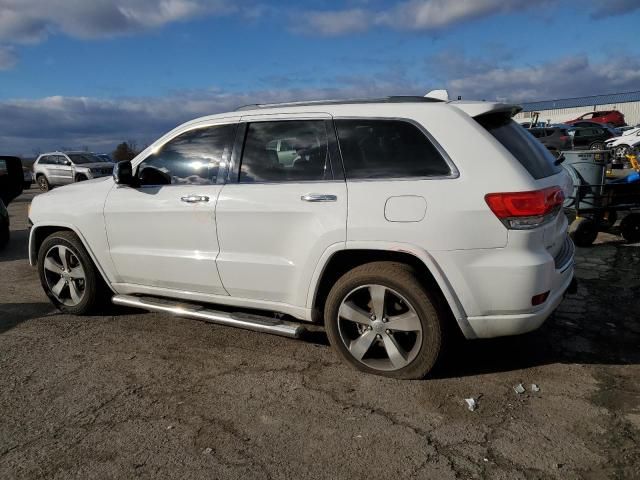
point(43, 183)
point(596, 146)
point(81, 178)
point(630, 227)
point(583, 232)
point(405, 343)
point(68, 275)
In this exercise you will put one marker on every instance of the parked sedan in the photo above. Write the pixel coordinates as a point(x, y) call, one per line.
point(556, 139)
point(590, 138)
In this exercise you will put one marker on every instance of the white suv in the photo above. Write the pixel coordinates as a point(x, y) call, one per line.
point(387, 225)
point(61, 168)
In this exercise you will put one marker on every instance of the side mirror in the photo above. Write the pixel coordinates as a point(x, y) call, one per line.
point(123, 174)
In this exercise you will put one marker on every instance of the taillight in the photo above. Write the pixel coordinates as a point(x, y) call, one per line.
point(525, 210)
point(564, 138)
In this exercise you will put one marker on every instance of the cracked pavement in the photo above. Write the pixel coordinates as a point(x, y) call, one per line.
point(132, 394)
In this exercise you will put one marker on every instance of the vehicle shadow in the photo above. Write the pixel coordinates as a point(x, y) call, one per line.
point(17, 248)
point(13, 314)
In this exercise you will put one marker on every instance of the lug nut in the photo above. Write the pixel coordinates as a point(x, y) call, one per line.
point(378, 337)
point(388, 332)
point(373, 317)
point(385, 319)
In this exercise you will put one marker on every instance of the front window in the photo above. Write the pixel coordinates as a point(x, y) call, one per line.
point(192, 158)
point(82, 158)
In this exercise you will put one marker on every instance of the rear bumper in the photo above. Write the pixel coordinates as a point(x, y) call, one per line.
point(503, 325)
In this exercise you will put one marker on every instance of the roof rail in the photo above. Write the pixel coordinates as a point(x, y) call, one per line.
point(392, 99)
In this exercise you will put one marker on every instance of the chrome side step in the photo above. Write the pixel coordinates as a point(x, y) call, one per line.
point(256, 323)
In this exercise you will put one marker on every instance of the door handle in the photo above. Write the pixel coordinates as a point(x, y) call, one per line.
point(318, 197)
point(195, 198)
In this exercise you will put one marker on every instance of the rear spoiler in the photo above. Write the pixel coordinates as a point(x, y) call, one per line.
point(476, 109)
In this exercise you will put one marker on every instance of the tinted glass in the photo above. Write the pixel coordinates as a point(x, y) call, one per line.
point(306, 156)
point(80, 158)
point(536, 132)
point(387, 149)
point(193, 158)
point(531, 154)
point(3, 167)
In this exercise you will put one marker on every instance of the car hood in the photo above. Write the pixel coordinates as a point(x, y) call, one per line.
point(95, 165)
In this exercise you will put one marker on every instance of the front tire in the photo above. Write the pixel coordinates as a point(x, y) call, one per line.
point(68, 275)
point(381, 320)
point(43, 183)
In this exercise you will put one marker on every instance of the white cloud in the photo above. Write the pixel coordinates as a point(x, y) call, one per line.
point(52, 122)
point(407, 15)
point(561, 78)
point(33, 20)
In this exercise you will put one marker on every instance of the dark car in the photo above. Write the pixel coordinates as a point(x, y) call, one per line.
point(11, 183)
point(590, 124)
point(613, 117)
point(555, 139)
point(590, 138)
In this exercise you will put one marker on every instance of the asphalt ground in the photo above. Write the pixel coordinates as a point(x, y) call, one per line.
point(132, 394)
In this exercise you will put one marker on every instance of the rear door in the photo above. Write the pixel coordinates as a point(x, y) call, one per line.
point(277, 216)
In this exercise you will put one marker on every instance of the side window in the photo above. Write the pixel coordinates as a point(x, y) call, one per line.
point(192, 158)
point(306, 157)
point(60, 160)
point(387, 149)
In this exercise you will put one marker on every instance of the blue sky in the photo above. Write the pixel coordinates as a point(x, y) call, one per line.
point(92, 73)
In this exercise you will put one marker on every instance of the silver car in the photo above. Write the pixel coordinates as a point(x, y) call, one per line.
point(61, 168)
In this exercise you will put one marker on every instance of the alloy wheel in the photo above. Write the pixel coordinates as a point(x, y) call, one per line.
point(379, 327)
point(64, 275)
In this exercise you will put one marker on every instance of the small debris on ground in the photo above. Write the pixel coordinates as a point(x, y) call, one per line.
point(471, 403)
point(207, 450)
point(519, 389)
point(535, 388)
point(170, 427)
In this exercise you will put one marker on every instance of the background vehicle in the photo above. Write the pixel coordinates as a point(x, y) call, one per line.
point(590, 124)
point(624, 144)
point(556, 139)
point(61, 168)
point(209, 214)
point(27, 178)
point(105, 157)
point(11, 183)
point(613, 117)
point(590, 138)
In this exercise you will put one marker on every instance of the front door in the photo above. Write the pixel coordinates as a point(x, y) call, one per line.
point(63, 170)
point(163, 234)
point(277, 216)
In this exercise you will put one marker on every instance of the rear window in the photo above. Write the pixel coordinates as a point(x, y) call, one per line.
point(388, 149)
point(531, 154)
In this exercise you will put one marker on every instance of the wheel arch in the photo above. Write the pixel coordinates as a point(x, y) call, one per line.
point(336, 263)
point(38, 234)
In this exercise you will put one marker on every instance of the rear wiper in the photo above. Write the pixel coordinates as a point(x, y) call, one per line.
point(559, 160)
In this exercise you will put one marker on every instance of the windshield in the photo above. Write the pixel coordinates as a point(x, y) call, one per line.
point(80, 158)
point(531, 154)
